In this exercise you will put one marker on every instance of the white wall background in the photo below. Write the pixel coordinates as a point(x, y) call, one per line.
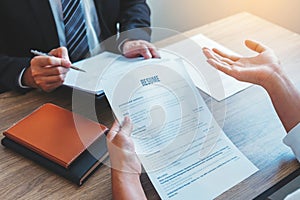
point(182, 15)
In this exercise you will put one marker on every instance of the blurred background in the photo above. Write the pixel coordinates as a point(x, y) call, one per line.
point(183, 15)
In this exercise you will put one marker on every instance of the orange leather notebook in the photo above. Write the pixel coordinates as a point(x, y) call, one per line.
point(55, 133)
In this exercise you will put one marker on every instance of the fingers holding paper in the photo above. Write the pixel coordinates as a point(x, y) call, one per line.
point(121, 148)
point(47, 72)
point(257, 69)
point(136, 48)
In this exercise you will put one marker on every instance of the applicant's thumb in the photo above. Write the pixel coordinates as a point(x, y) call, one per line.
point(255, 46)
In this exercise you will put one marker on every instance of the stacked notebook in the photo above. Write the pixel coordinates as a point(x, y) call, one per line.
point(64, 142)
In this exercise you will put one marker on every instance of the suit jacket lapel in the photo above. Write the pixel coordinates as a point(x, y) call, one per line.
point(45, 19)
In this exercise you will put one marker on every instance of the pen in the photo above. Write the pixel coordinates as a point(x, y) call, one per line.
point(38, 53)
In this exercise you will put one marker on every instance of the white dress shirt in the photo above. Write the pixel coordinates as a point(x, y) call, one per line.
point(293, 140)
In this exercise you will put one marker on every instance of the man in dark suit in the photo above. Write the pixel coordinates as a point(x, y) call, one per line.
point(35, 24)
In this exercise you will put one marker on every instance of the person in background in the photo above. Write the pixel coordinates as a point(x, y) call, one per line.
point(264, 70)
point(69, 30)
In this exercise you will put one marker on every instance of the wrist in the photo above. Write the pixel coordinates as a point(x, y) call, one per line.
point(125, 175)
point(121, 45)
point(125, 161)
point(285, 98)
point(27, 79)
point(275, 78)
point(126, 186)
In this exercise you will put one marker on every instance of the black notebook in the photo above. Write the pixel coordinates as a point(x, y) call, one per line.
point(79, 170)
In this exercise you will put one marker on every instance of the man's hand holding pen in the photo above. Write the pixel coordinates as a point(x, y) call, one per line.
point(47, 72)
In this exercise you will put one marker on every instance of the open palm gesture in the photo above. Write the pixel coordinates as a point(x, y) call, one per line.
point(258, 69)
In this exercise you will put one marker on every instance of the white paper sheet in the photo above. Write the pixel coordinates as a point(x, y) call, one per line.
point(211, 81)
point(89, 81)
point(183, 150)
point(214, 83)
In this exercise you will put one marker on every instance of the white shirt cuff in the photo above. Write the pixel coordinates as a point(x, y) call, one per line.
point(121, 46)
point(20, 80)
point(293, 140)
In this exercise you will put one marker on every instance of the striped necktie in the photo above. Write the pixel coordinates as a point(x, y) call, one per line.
point(75, 29)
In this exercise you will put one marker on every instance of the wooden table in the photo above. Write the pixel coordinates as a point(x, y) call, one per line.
point(250, 122)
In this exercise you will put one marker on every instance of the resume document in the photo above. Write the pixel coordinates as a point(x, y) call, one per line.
point(183, 150)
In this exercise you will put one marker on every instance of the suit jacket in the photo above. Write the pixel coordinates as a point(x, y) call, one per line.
point(29, 24)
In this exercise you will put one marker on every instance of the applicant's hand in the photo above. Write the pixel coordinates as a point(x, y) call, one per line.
point(135, 48)
point(121, 148)
point(125, 165)
point(263, 69)
point(259, 69)
point(47, 73)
